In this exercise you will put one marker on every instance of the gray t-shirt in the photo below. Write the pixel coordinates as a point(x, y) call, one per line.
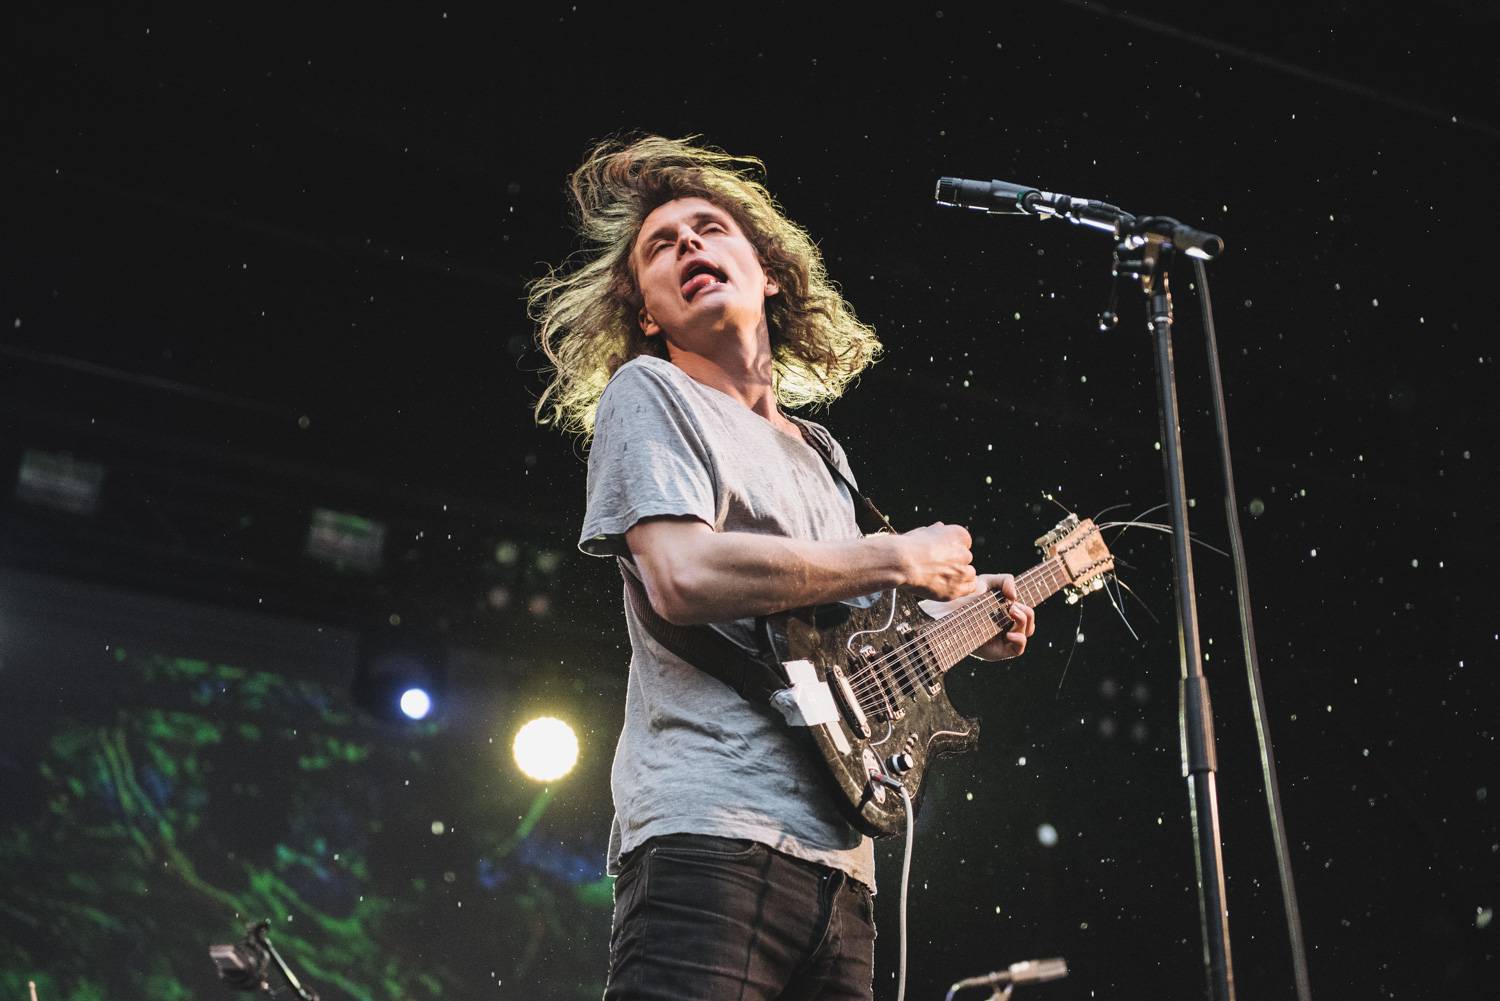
point(694, 757)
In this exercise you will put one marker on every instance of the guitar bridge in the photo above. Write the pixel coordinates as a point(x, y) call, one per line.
point(848, 703)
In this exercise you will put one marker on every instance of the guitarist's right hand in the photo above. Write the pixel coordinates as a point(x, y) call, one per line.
point(938, 561)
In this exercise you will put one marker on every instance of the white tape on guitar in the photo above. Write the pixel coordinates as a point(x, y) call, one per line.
point(809, 702)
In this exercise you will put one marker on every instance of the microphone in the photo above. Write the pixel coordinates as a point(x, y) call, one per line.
point(1031, 971)
point(994, 197)
point(1006, 198)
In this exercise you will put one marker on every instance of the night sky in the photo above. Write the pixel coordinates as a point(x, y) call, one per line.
point(265, 262)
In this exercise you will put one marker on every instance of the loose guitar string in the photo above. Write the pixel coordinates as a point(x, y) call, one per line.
point(867, 682)
point(946, 638)
point(1164, 529)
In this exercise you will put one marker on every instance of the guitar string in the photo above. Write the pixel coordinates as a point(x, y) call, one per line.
point(875, 691)
point(898, 676)
point(943, 631)
point(946, 637)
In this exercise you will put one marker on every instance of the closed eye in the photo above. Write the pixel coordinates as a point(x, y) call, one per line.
point(706, 226)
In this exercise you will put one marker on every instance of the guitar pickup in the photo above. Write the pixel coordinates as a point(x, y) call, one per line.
point(891, 693)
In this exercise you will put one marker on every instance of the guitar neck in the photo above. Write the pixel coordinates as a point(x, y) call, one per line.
point(958, 634)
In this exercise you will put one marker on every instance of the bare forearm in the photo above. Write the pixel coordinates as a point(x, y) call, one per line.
point(694, 574)
point(734, 575)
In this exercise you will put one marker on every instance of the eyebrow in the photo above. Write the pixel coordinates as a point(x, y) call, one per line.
point(665, 230)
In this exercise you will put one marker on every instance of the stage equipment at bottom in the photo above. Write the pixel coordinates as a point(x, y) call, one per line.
point(1002, 982)
point(246, 965)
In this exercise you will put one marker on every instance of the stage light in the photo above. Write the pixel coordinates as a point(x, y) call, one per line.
point(345, 541)
point(416, 703)
point(401, 675)
point(59, 480)
point(545, 749)
point(1047, 835)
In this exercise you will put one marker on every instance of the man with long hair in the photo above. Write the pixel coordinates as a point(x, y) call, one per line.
point(695, 313)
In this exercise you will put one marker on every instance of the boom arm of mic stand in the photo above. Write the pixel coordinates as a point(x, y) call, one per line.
point(1130, 229)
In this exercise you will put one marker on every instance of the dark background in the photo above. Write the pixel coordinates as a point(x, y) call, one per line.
point(257, 263)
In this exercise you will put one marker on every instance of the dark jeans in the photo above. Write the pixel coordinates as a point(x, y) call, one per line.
point(700, 918)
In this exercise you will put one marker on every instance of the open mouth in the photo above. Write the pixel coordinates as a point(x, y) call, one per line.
point(699, 277)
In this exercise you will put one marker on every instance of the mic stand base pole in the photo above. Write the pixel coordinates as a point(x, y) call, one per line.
point(1145, 255)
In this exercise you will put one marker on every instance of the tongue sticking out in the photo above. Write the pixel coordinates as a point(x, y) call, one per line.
point(697, 284)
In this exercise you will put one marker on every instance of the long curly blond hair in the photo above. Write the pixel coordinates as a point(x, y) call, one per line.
point(586, 310)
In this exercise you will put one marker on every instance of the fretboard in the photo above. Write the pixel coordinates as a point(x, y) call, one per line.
point(958, 634)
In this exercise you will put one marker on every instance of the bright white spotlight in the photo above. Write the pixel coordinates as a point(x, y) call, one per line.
point(545, 749)
point(416, 703)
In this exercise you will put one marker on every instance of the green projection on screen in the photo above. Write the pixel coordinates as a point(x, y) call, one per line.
point(219, 796)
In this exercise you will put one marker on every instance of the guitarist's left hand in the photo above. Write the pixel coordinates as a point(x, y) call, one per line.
point(1006, 645)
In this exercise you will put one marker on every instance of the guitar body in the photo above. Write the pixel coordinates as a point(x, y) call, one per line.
point(910, 714)
point(865, 678)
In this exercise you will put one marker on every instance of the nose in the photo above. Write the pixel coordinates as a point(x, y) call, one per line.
point(688, 240)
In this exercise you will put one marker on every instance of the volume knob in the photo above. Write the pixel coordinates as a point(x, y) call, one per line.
point(900, 764)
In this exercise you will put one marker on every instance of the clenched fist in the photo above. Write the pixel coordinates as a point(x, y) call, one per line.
point(937, 561)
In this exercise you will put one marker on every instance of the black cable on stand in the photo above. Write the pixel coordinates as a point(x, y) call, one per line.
point(1145, 249)
point(1147, 260)
point(1252, 658)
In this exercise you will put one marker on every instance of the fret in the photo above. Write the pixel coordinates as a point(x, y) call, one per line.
point(955, 636)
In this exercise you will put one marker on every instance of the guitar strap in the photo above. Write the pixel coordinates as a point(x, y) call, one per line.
point(749, 676)
point(866, 515)
point(746, 672)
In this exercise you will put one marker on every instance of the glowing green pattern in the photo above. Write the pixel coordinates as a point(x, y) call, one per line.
point(221, 796)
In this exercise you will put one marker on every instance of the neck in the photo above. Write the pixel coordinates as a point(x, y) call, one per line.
point(739, 367)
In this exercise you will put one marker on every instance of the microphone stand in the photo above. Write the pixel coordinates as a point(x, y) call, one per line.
point(1145, 249)
point(1145, 253)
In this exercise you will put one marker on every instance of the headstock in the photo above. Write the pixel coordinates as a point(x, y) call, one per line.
point(1079, 547)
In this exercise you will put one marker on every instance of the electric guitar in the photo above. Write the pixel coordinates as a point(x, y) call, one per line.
point(867, 679)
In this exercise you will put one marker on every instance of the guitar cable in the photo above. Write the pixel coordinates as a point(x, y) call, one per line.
point(905, 879)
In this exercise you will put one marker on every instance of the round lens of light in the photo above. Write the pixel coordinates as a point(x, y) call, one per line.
point(416, 703)
point(545, 749)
